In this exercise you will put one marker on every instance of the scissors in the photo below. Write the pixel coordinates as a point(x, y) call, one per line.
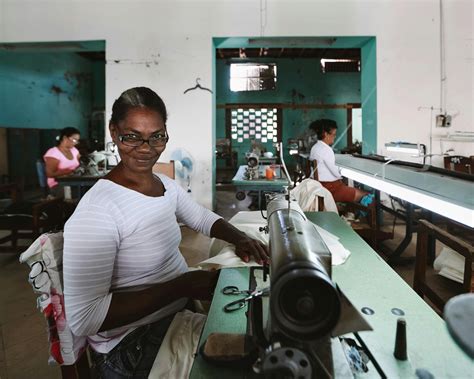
point(233, 290)
point(238, 304)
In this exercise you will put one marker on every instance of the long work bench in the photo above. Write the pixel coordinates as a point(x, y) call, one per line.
point(368, 282)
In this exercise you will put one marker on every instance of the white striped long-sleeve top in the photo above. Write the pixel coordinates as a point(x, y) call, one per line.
point(118, 240)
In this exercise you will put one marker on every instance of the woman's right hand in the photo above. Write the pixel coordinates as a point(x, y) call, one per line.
point(199, 284)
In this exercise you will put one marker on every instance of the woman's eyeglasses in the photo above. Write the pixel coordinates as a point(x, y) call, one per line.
point(75, 141)
point(134, 140)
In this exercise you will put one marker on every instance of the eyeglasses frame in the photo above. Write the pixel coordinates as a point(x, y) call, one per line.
point(122, 136)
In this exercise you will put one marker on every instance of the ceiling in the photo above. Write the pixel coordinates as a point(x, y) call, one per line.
point(287, 52)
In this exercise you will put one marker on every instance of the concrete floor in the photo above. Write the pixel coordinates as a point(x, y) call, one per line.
point(23, 334)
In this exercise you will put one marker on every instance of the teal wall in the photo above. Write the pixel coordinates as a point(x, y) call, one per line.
point(299, 81)
point(41, 93)
point(45, 90)
point(369, 97)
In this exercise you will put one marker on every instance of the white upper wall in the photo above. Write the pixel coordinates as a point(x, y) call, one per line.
point(166, 45)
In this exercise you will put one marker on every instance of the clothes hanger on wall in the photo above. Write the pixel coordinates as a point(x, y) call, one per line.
point(197, 86)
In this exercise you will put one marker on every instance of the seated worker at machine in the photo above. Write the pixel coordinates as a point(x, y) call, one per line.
point(62, 159)
point(326, 171)
point(124, 276)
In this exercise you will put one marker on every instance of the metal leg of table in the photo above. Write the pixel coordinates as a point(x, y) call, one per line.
point(408, 235)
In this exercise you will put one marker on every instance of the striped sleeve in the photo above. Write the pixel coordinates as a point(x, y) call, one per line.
point(194, 215)
point(91, 240)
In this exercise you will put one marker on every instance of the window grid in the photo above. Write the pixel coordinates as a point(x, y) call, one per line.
point(259, 124)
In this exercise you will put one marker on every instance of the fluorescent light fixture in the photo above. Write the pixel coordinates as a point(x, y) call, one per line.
point(452, 211)
point(403, 147)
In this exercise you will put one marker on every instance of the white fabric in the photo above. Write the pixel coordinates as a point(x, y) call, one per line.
point(324, 155)
point(307, 193)
point(223, 254)
point(450, 264)
point(176, 355)
point(118, 240)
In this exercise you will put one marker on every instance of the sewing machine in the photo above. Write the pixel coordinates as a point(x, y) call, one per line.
point(305, 307)
point(252, 169)
point(370, 284)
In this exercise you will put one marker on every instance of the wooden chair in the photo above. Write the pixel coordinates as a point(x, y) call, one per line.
point(420, 283)
point(164, 168)
point(459, 163)
point(27, 219)
point(367, 230)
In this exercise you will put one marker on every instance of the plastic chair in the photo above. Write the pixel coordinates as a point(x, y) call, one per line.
point(42, 179)
point(45, 259)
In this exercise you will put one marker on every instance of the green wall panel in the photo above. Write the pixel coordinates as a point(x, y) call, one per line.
point(369, 97)
point(299, 81)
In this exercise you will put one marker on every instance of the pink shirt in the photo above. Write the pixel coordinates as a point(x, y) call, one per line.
point(64, 162)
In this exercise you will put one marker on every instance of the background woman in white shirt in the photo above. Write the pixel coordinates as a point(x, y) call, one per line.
point(326, 172)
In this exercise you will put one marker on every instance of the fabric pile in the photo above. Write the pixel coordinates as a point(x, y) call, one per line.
point(222, 254)
point(450, 264)
point(307, 193)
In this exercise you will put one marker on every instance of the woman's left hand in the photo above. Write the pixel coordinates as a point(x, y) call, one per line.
point(247, 248)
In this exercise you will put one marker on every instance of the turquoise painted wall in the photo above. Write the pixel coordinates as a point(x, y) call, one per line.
point(41, 93)
point(299, 81)
point(45, 90)
point(369, 97)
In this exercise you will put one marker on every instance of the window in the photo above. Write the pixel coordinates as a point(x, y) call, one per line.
point(340, 65)
point(260, 124)
point(252, 76)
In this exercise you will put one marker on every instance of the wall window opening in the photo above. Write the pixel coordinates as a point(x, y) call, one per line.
point(253, 76)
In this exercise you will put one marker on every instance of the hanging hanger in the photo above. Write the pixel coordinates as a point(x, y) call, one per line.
point(197, 86)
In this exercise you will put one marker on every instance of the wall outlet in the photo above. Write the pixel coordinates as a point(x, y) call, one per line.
point(443, 121)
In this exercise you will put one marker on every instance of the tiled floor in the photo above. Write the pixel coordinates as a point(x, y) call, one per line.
point(23, 336)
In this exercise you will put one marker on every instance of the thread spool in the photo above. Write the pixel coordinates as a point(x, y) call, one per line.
point(400, 351)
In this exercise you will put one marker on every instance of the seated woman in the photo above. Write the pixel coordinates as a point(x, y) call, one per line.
point(124, 276)
point(327, 172)
point(62, 159)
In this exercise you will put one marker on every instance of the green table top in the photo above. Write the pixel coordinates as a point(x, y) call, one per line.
point(368, 282)
point(448, 196)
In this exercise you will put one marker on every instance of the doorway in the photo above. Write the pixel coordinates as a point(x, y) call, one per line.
point(313, 77)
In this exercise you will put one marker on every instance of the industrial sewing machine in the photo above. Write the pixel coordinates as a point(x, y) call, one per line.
point(306, 308)
point(252, 169)
point(290, 335)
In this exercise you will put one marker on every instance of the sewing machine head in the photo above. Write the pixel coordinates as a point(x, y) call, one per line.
point(252, 169)
point(304, 304)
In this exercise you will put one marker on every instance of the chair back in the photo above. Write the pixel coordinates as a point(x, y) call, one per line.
point(164, 168)
point(42, 179)
point(45, 259)
point(459, 163)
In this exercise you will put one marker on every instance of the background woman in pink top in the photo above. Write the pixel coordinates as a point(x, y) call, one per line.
point(62, 159)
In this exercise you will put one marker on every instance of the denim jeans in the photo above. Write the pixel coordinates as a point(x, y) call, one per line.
point(133, 357)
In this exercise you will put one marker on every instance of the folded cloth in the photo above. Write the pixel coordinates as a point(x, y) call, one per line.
point(223, 254)
point(450, 264)
point(176, 355)
point(307, 193)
